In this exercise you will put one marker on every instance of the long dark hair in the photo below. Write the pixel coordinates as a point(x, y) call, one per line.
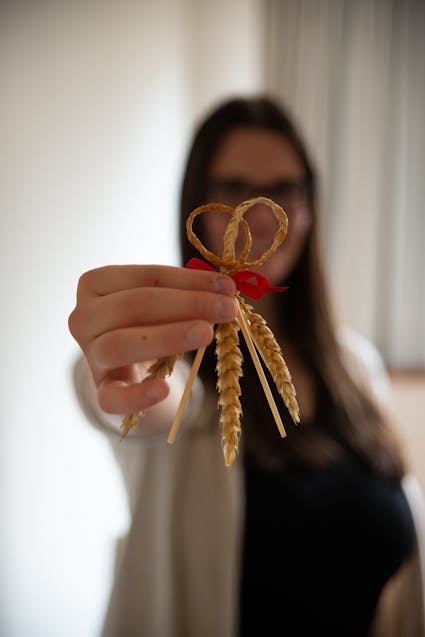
point(350, 418)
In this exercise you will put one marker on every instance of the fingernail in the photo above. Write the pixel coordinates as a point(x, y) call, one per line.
point(225, 285)
point(226, 309)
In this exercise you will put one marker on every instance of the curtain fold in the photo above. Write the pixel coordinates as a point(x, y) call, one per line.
point(353, 75)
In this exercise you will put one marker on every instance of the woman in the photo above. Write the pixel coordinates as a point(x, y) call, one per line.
point(302, 535)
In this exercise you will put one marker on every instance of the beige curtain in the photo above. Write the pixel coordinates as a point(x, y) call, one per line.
point(353, 74)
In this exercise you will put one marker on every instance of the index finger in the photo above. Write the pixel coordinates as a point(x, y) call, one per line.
point(113, 278)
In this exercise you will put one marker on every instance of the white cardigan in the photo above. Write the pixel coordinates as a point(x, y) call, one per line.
point(187, 517)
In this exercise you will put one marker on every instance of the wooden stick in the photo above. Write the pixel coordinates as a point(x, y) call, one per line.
point(185, 397)
point(260, 371)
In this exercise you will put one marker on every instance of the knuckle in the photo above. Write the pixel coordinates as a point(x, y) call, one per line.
point(75, 323)
point(72, 322)
point(154, 278)
point(85, 281)
point(78, 321)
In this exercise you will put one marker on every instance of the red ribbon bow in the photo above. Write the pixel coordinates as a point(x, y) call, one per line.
point(242, 279)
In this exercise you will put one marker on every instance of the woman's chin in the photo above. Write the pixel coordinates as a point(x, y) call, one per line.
point(276, 269)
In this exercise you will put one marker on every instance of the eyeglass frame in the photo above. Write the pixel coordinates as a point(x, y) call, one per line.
point(297, 199)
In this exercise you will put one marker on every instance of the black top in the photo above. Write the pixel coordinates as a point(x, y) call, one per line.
point(318, 548)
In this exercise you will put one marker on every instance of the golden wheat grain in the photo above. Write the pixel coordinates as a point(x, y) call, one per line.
point(229, 370)
point(163, 366)
point(130, 422)
point(272, 355)
point(160, 369)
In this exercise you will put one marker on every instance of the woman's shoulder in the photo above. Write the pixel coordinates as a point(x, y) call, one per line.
point(364, 362)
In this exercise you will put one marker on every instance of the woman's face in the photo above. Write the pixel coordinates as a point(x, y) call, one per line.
point(252, 162)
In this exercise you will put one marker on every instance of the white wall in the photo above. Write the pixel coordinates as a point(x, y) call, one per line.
point(96, 106)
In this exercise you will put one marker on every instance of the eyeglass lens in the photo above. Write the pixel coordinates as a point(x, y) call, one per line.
point(286, 193)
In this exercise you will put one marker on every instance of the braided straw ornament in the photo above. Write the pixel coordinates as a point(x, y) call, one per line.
point(254, 328)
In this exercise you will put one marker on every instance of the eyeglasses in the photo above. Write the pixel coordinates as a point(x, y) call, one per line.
point(289, 194)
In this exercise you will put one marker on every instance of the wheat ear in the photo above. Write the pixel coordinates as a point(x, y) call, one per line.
point(229, 370)
point(130, 422)
point(160, 369)
point(163, 366)
point(272, 356)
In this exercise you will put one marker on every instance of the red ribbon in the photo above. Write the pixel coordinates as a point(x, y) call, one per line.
point(243, 280)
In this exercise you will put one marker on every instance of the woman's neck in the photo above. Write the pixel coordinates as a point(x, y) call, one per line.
point(267, 308)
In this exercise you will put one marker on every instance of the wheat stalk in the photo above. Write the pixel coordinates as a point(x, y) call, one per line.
point(130, 422)
point(160, 369)
point(229, 370)
point(163, 366)
point(272, 355)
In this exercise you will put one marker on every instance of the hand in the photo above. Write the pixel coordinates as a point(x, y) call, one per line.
point(128, 316)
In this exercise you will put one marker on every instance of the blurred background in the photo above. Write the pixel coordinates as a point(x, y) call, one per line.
point(98, 102)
